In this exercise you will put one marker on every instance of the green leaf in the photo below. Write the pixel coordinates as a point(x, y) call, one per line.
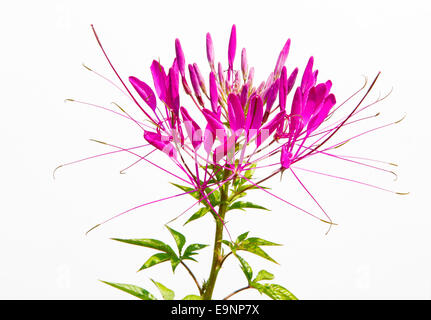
point(250, 187)
point(256, 250)
point(167, 294)
point(253, 245)
point(245, 267)
point(229, 244)
point(180, 239)
point(198, 196)
point(263, 275)
point(274, 291)
point(156, 259)
point(198, 214)
point(238, 195)
point(190, 250)
point(148, 243)
point(249, 173)
point(213, 196)
point(192, 297)
point(241, 205)
point(241, 237)
point(133, 290)
point(259, 242)
point(175, 261)
point(194, 194)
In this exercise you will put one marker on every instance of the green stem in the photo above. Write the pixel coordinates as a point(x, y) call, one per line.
point(217, 254)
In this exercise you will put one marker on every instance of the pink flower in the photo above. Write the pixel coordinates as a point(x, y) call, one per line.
point(244, 126)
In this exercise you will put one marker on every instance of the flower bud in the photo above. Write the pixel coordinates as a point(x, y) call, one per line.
point(210, 51)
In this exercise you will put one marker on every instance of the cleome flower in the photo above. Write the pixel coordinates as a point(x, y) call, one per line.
point(220, 128)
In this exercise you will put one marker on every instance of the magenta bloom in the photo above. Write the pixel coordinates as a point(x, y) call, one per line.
point(241, 124)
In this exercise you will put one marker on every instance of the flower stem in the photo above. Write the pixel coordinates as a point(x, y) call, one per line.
point(236, 291)
point(217, 254)
point(193, 276)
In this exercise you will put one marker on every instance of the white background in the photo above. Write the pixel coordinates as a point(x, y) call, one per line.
point(379, 250)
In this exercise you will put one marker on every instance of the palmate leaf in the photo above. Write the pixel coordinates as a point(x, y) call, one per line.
point(167, 254)
point(166, 293)
point(259, 242)
point(241, 205)
point(213, 197)
point(250, 172)
point(156, 259)
point(257, 251)
point(274, 291)
point(252, 245)
point(158, 245)
point(242, 237)
point(132, 289)
point(198, 214)
point(175, 261)
point(191, 250)
point(245, 267)
point(194, 194)
point(250, 187)
point(179, 238)
point(148, 243)
point(263, 275)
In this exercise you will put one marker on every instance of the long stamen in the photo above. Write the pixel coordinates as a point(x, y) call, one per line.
point(314, 199)
point(285, 201)
point(363, 133)
point(157, 166)
point(128, 115)
point(104, 108)
point(96, 156)
point(118, 76)
point(345, 120)
point(351, 180)
point(137, 161)
point(355, 162)
point(107, 79)
point(139, 206)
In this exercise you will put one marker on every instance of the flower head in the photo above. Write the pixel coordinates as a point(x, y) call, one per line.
point(241, 125)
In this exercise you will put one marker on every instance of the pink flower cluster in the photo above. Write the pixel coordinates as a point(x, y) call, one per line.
point(237, 113)
point(236, 125)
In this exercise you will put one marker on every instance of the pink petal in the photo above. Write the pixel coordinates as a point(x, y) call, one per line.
point(180, 58)
point(195, 80)
point(173, 90)
point(214, 124)
point(213, 92)
point(283, 89)
point(232, 47)
point(291, 80)
point(296, 111)
point(244, 65)
point(235, 113)
point(317, 120)
point(193, 130)
point(228, 146)
point(160, 79)
point(145, 92)
point(254, 116)
point(270, 127)
point(282, 58)
point(272, 95)
point(161, 143)
point(210, 51)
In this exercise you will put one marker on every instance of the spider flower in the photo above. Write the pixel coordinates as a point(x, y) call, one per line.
point(242, 126)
